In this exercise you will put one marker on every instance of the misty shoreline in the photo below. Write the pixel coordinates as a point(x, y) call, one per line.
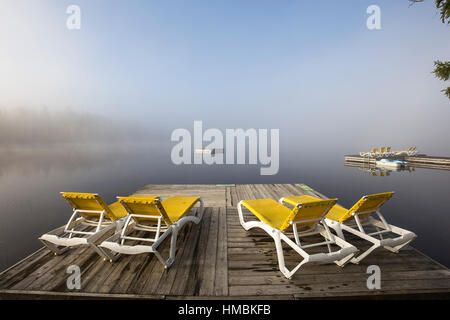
point(26, 127)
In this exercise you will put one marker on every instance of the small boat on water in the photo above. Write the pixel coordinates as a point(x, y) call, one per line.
point(391, 163)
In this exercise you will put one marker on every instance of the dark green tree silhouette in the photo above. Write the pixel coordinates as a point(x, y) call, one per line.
point(441, 68)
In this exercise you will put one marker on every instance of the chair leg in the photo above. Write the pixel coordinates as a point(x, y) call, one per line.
point(173, 248)
point(177, 226)
point(54, 248)
point(336, 227)
point(173, 229)
point(160, 258)
point(344, 261)
point(358, 259)
point(341, 243)
point(280, 255)
point(396, 249)
point(106, 255)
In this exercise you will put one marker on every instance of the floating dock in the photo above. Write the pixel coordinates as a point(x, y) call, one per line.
point(419, 161)
point(218, 259)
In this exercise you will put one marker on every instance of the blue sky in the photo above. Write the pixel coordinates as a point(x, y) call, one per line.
point(310, 68)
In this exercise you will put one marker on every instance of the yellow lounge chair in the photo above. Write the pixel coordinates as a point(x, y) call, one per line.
point(354, 220)
point(275, 219)
point(388, 152)
point(148, 213)
point(374, 152)
point(92, 220)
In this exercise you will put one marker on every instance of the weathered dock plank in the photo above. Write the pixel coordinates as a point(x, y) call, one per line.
point(212, 195)
point(219, 259)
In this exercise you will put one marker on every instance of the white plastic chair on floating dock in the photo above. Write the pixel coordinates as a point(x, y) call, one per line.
point(410, 152)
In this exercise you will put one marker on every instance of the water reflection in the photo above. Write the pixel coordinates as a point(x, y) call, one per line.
point(377, 171)
point(28, 161)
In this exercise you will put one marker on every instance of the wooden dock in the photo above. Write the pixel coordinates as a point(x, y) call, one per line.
point(419, 161)
point(218, 259)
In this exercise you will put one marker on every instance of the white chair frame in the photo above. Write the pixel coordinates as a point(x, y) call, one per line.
point(116, 243)
point(53, 240)
point(391, 244)
point(340, 257)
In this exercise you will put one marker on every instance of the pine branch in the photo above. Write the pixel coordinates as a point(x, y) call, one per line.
point(442, 70)
point(444, 5)
point(447, 92)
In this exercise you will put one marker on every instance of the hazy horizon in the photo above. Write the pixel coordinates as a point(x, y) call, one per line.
point(312, 70)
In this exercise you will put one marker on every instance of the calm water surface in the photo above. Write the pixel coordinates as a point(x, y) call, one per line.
point(31, 179)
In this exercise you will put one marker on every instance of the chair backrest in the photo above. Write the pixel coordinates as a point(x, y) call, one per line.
point(314, 210)
point(382, 149)
point(146, 205)
point(367, 205)
point(388, 149)
point(373, 150)
point(90, 202)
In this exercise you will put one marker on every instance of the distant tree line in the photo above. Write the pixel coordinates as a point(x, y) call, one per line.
point(26, 126)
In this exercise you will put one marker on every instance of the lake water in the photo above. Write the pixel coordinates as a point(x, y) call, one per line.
point(31, 179)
